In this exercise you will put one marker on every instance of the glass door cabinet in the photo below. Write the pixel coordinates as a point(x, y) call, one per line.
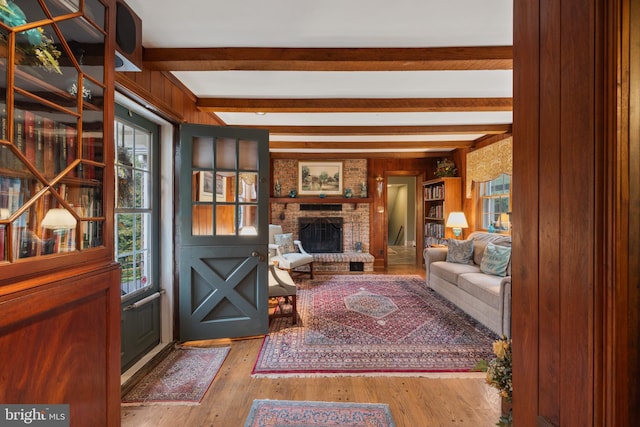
point(52, 147)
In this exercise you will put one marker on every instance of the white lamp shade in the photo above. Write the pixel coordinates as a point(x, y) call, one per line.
point(457, 220)
point(58, 218)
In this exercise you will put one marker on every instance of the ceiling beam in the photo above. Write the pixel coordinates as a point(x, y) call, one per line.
point(350, 105)
point(329, 59)
point(361, 145)
point(386, 130)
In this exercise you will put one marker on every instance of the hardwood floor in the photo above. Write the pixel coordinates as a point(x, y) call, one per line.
point(414, 401)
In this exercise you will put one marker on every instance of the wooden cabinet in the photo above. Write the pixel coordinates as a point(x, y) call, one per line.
point(440, 197)
point(59, 288)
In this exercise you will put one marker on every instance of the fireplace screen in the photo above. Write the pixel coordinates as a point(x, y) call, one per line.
point(320, 235)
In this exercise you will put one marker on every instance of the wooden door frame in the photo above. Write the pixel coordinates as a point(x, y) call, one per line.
point(419, 176)
point(571, 212)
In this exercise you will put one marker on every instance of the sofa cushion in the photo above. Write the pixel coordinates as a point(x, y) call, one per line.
point(460, 251)
point(285, 241)
point(495, 259)
point(484, 287)
point(449, 271)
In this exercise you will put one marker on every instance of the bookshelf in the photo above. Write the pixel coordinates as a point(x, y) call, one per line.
point(440, 197)
point(52, 145)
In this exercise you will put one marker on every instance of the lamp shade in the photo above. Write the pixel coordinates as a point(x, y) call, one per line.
point(457, 220)
point(58, 218)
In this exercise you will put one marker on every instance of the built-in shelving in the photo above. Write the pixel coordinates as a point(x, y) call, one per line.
point(440, 197)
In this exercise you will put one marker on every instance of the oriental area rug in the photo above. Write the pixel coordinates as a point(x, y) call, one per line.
point(182, 377)
point(288, 413)
point(373, 325)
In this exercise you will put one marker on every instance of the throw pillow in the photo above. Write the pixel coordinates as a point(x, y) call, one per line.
point(285, 241)
point(495, 260)
point(460, 251)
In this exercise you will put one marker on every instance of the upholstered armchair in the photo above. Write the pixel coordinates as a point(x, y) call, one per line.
point(282, 287)
point(288, 253)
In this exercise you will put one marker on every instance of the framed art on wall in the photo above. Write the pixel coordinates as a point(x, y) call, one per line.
point(319, 177)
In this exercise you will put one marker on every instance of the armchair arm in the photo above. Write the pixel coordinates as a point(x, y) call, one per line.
point(433, 255)
point(276, 248)
point(505, 305)
point(298, 243)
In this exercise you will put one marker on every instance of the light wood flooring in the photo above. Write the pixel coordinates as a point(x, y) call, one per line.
point(414, 401)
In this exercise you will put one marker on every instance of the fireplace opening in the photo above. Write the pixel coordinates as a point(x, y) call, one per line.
point(321, 235)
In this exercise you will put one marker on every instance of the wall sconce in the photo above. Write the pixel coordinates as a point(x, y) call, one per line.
point(379, 184)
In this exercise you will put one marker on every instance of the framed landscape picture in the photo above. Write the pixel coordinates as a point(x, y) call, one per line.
point(316, 178)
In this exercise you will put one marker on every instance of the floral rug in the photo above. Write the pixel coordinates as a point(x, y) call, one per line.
point(182, 377)
point(288, 413)
point(373, 324)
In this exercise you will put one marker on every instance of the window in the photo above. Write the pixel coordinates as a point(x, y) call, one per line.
point(494, 204)
point(134, 210)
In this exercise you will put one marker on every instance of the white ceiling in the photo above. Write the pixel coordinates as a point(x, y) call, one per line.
point(339, 24)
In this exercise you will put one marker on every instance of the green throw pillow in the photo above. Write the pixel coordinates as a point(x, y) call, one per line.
point(460, 251)
point(495, 260)
point(285, 241)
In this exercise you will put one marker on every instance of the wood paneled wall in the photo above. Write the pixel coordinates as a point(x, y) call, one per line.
point(169, 98)
point(60, 341)
point(570, 247)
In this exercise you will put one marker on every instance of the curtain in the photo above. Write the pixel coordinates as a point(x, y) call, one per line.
point(488, 163)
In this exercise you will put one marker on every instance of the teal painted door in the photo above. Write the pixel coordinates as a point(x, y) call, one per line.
point(223, 197)
point(137, 211)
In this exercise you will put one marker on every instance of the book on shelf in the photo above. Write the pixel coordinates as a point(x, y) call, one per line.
point(71, 148)
point(39, 142)
point(30, 136)
point(18, 136)
point(48, 130)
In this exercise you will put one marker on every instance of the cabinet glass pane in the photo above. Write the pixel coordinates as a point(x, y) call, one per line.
point(93, 136)
point(3, 242)
point(62, 7)
point(225, 153)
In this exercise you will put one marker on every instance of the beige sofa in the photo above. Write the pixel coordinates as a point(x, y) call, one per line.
point(485, 297)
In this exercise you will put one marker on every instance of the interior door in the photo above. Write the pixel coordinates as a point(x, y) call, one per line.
point(223, 232)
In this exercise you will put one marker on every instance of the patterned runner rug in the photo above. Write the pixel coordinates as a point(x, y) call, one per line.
point(284, 413)
point(182, 377)
point(373, 324)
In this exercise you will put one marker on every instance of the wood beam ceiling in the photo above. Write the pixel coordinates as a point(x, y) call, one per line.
point(350, 105)
point(329, 59)
point(347, 59)
point(389, 130)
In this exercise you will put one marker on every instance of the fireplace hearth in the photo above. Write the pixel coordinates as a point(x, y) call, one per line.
point(320, 234)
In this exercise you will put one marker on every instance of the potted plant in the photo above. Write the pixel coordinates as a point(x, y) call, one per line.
point(499, 376)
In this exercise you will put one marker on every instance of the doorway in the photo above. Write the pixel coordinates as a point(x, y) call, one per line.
point(129, 111)
point(401, 220)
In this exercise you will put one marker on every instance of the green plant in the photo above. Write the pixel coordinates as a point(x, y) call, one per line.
point(34, 46)
point(499, 374)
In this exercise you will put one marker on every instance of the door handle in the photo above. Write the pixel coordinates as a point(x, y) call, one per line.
point(257, 254)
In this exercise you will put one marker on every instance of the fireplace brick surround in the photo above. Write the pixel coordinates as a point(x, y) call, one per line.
point(355, 217)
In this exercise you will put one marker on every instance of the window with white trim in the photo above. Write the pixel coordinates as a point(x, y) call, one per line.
point(494, 204)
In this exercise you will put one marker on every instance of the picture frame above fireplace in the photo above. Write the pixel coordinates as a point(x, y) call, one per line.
point(318, 177)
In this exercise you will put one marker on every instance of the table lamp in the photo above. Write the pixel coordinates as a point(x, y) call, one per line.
point(59, 220)
point(457, 221)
